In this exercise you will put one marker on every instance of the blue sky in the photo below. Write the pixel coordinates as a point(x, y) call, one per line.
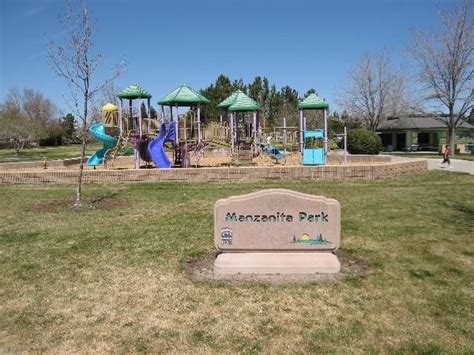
point(300, 43)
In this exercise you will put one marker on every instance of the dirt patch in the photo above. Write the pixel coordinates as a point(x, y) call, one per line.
point(103, 203)
point(201, 269)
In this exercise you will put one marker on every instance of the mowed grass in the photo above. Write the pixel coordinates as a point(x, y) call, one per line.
point(113, 279)
point(49, 153)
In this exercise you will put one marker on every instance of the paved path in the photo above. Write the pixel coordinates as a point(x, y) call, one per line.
point(464, 166)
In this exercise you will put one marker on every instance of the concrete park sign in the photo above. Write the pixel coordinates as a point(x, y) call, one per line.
point(280, 231)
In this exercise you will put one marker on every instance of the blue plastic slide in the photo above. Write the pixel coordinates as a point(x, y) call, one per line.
point(156, 146)
point(98, 132)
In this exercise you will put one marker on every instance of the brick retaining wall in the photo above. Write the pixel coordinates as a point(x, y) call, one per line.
point(328, 173)
point(40, 164)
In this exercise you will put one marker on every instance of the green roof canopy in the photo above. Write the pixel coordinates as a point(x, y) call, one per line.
point(313, 101)
point(183, 96)
point(229, 100)
point(134, 92)
point(238, 101)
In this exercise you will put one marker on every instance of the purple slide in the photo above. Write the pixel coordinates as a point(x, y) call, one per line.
point(156, 146)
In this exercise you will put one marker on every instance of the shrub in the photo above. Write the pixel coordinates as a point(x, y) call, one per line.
point(51, 140)
point(362, 141)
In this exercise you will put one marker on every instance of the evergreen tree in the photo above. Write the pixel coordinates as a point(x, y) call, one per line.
point(216, 93)
point(69, 126)
point(309, 92)
point(143, 110)
point(153, 113)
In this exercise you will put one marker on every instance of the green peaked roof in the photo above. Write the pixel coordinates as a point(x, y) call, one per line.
point(134, 92)
point(313, 101)
point(238, 101)
point(183, 95)
point(229, 100)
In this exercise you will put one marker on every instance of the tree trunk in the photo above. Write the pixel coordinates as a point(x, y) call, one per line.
point(83, 152)
point(452, 136)
point(81, 167)
point(451, 131)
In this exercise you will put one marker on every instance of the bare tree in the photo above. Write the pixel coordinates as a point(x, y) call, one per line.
point(109, 93)
point(445, 66)
point(76, 61)
point(375, 91)
point(27, 116)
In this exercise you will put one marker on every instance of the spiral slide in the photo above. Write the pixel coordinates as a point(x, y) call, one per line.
point(156, 146)
point(98, 132)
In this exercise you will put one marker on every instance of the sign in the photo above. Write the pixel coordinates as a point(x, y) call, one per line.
point(277, 220)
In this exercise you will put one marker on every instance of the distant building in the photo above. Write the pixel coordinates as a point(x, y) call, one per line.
point(425, 133)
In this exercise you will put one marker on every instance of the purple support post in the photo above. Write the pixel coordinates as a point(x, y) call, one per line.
point(254, 129)
point(140, 128)
point(301, 131)
point(199, 123)
point(232, 132)
point(120, 117)
point(130, 112)
point(325, 132)
point(177, 125)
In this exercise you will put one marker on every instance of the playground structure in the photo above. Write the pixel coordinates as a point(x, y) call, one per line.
point(238, 131)
point(243, 131)
point(313, 143)
point(134, 125)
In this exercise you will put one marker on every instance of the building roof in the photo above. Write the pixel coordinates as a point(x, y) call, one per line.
point(417, 123)
point(134, 92)
point(238, 101)
point(183, 96)
point(313, 101)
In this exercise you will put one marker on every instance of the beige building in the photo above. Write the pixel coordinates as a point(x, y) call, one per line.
point(423, 133)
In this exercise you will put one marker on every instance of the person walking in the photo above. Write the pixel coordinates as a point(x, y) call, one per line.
point(445, 157)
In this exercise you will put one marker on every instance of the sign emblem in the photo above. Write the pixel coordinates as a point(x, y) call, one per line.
point(226, 236)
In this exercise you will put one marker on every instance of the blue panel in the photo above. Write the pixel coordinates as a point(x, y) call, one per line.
point(319, 133)
point(314, 156)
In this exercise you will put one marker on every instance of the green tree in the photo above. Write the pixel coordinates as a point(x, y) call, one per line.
point(143, 110)
point(153, 113)
point(290, 105)
point(69, 127)
point(216, 93)
point(309, 92)
point(275, 106)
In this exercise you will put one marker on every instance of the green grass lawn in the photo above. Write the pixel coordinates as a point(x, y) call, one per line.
point(469, 157)
point(50, 153)
point(112, 279)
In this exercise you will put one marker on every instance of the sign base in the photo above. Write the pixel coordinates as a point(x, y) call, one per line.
point(276, 263)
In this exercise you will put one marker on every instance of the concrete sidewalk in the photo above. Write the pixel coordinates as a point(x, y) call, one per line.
point(458, 165)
